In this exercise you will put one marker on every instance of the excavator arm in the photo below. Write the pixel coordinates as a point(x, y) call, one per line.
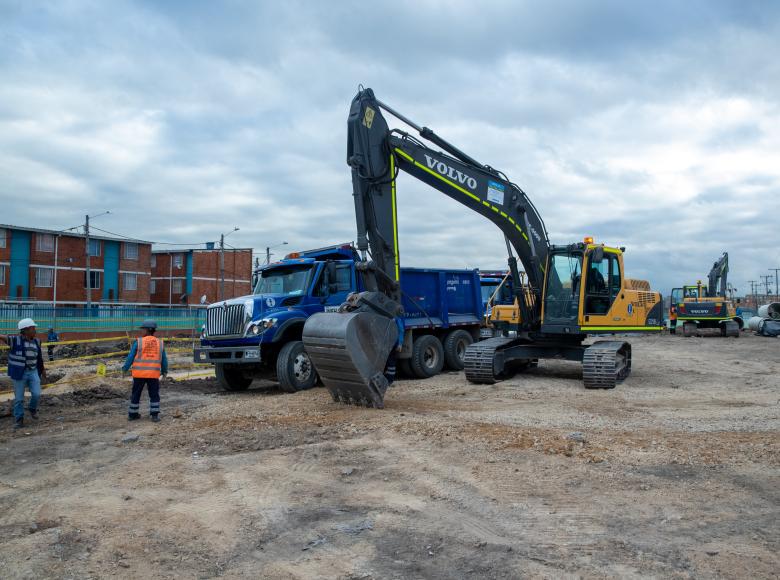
point(718, 277)
point(376, 154)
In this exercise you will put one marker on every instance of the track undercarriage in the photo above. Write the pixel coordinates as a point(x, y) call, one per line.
point(604, 363)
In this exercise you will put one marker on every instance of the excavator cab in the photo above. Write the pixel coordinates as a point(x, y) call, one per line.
point(585, 291)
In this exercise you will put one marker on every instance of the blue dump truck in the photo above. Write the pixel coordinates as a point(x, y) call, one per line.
point(259, 336)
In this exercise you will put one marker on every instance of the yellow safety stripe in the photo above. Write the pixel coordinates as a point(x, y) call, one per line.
point(395, 220)
point(411, 159)
point(622, 327)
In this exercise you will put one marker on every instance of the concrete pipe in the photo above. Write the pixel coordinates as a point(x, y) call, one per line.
point(754, 323)
point(771, 310)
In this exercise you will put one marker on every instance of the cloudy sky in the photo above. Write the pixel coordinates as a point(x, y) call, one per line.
point(653, 125)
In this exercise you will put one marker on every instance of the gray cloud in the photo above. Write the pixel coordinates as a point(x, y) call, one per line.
point(651, 126)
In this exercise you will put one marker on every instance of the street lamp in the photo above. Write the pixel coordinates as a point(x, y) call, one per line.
point(268, 251)
point(222, 262)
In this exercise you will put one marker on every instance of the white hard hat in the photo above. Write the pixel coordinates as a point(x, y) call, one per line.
point(26, 323)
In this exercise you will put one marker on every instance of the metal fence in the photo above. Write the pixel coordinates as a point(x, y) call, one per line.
point(99, 318)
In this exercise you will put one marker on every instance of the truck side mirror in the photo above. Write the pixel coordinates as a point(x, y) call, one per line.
point(597, 256)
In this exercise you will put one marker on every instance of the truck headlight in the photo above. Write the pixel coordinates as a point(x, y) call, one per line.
point(203, 331)
point(268, 322)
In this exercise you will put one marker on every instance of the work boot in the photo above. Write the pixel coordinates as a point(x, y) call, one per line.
point(155, 418)
point(19, 423)
point(33, 413)
point(133, 416)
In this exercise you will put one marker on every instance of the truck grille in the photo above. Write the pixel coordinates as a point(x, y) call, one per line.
point(225, 321)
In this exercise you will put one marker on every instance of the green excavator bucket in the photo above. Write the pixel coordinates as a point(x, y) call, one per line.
point(349, 351)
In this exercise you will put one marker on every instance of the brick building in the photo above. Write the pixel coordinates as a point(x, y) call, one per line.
point(181, 277)
point(48, 266)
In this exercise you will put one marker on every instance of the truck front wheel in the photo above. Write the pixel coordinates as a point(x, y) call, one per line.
point(427, 356)
point(455, 349)
point(294, 370)
point(232, 379)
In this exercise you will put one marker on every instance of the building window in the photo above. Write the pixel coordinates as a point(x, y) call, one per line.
point(94, 279)
point(154, 261)
point(131, 281)
point(176, 286)
point(2, 275)
point(177, 260)
point(152, 286)
point(44, 242)
point(131, 250)
point(44, 277)
point(3, 237)
point(94, 247)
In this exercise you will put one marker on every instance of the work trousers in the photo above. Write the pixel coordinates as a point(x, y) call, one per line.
point(30, 380)
point(50, 348)
point(390, 367)
point(153, 387)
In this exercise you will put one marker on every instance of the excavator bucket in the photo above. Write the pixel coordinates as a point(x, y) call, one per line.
point(349, 351)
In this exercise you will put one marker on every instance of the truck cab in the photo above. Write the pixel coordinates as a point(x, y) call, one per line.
point(259, 336)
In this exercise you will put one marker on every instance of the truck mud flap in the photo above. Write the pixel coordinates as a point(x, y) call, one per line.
point(349, 351)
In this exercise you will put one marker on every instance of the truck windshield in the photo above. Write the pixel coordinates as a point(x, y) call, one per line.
point(283, 280)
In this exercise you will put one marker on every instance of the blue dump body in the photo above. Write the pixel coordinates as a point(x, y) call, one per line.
point(247, 335)
point(434, 298)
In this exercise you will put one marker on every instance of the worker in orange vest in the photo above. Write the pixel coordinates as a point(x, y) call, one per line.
point(147, 361)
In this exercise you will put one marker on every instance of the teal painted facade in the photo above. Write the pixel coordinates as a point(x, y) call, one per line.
point(20, 264)
point(110, 270)
point(189, 273)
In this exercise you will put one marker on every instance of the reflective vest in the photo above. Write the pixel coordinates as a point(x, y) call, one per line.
point(17, 362)
point(147, 363)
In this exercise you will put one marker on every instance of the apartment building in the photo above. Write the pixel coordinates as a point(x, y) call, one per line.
point(49, 266)
point(182, 277)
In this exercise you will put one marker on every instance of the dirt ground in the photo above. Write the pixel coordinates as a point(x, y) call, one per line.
point(674, 474)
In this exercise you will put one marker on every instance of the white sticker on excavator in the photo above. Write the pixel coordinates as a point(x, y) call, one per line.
point(495, 192)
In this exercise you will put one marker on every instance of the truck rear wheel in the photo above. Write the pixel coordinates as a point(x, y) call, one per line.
point(294, 369)
point(427, 356)
point(455, 349)
point(232, 379)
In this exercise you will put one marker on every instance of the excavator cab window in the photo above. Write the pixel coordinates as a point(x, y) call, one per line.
point(603, 284)
point(562, 298)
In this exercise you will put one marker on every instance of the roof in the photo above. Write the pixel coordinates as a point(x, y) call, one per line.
point(185, 250)
point(71, 234)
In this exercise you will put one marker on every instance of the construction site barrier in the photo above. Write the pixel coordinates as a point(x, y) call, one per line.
point(101, 318)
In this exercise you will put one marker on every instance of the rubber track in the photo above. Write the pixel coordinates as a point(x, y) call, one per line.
point(478, 360)
point(599, 365)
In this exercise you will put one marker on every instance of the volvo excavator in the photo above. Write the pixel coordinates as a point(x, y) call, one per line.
point(570, 292)
point(700, 307)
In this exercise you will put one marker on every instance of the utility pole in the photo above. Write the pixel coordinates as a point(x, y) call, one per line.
point(222, 267)
point(766, 283)
point(753, 292)
point(222, 262)
point(89, 282)
point(87, 272)
point(777, 282)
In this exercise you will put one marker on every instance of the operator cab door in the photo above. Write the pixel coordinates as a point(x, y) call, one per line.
point(562, 292)
point(335, 281)
point(603, 299)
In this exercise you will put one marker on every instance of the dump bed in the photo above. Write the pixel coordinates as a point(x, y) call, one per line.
point(440, 298)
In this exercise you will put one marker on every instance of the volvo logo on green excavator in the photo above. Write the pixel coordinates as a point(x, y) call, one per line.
point(457, 176)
